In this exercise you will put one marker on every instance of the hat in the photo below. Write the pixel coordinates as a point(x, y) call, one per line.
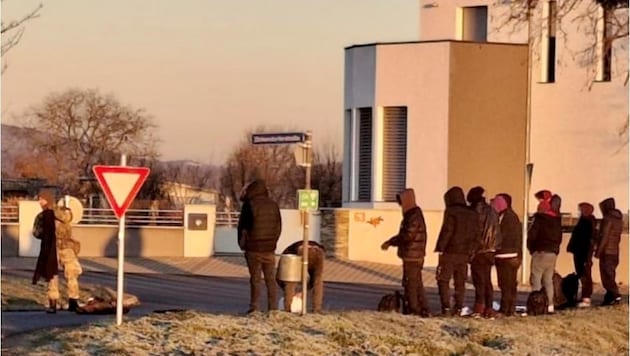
point(586, 209)
point(475, 195)
point(543, 195)
point(499, 204)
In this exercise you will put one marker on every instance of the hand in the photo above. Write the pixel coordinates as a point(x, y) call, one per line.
point(385, 246)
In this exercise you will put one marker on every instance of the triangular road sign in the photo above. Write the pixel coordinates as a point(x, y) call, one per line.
point(120, 184)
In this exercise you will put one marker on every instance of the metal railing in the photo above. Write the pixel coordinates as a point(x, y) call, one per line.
point(134, 217)
point(9, 213)
point(227, 218)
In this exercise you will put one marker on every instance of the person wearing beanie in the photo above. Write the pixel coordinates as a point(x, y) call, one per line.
point(411, 241)
point(508, 256)
point(581, 245)
point(47, 265)
point(607, 249)
point(543, 242)
point(488, 241)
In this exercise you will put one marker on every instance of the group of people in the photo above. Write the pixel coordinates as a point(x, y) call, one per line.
point(481, 234)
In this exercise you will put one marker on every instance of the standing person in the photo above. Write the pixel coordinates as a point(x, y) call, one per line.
point(44, 230)
point(259, 228)
point(316, 256)
point(543, 242)
point(508, 257)
point(487, 243)
point(581, 245)
point(67, 249)
point(607, 249)
point(411, 241)
point(457, 235)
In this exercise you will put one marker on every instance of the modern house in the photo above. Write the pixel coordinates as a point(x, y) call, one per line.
point(472, 103)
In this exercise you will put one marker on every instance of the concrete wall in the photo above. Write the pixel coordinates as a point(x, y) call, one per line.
point(10, 236)
point(487, 118)
point(145, 241)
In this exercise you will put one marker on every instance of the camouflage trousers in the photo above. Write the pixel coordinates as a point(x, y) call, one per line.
point(71, 271)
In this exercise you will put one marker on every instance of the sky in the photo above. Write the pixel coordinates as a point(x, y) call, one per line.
point(207, 71)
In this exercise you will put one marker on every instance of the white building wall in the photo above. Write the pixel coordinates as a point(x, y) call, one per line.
point(417, 76)
point(575, 141)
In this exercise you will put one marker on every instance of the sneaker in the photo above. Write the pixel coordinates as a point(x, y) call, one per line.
point(617, 300)
point(585, 303)
point(550, 310)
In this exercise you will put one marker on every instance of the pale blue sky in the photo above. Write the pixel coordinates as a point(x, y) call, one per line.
point(206, 70)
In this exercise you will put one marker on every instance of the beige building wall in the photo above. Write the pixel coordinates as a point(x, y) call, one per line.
point(487, 118)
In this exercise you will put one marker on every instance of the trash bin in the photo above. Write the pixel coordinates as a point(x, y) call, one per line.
point(290, 268)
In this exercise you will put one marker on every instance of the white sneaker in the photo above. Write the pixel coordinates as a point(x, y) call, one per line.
point(550, 309)
point(585, 303)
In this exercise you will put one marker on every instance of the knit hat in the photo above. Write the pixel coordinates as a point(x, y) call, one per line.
point(543, 195)
point(475, 195)
point(47, 195)
point(586, 209)
point(499, 204)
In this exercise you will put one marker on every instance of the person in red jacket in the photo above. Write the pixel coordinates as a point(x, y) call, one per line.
point(411, 241)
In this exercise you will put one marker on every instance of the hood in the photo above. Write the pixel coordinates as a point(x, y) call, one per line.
point(607, 205)
point(255, 189)
point(543, 195)
point(475, 195)
point(48, 196)
point(64, 215)
point(406, 199)
point(454, 196)
point(555, 204)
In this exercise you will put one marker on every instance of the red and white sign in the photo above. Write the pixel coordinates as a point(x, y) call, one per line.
point(120, 184)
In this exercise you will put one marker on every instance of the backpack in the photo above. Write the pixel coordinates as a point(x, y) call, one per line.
point(38, 226)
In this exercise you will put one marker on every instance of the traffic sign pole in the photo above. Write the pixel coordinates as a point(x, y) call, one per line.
point(121, 258)
point(305, 221)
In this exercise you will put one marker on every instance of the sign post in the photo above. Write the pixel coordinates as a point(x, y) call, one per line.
point(120, 184)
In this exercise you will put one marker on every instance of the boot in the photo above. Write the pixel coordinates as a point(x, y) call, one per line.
point(73, 304)
point(52, 306)
point(478, 310)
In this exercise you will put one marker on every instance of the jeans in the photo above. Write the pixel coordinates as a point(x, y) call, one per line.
point(480, 268)
point(265, 262)
point(607, 268)
point(542, 268)
point(507, 269)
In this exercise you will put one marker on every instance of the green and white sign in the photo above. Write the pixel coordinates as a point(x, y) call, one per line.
point(308, 199)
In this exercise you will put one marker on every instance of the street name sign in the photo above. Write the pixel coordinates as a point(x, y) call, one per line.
point(278, 138)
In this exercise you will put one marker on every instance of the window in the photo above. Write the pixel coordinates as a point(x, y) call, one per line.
point(365, 155)
point(474, 24)
point(548, 42)
point(604, 45)
point(394, 151)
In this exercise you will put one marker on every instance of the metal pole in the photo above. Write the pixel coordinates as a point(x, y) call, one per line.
point(529, 165)
point(121, 257)
point(305, 221)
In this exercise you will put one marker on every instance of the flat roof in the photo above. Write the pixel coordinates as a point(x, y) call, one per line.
point(432, 41)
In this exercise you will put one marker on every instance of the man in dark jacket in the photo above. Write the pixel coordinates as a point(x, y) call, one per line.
point(607, 249)
point(259, 228)
point(488, 241)
point(316, 256)
point(458, 233)
point(581, 246)
point(543, 242)
point(47, 266)
point(411, 242)
point(508, 257)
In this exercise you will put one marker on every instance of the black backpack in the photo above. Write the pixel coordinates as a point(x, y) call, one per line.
point(38, 226)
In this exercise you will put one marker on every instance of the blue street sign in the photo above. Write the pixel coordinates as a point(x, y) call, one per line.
point(278, 138)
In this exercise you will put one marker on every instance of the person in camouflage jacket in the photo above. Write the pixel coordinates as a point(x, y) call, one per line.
point(67, 250)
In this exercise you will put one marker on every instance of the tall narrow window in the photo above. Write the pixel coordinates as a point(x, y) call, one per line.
point(551, 45)
point(607, 46)
point(475, 24)
point(365, 155)
point(394, 151)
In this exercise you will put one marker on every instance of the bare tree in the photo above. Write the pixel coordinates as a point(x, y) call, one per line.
point(83, 128)
point(13, 30)
point(273, 163)
point(326, 175)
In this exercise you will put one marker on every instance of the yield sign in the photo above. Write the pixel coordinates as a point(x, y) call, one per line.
point(120, 185)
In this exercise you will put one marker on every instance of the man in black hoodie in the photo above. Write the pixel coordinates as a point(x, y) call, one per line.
point(580, 245)
point(411, 241)
point(458, 233)
point(607, 249)
point(259, 228)
point(488, 241)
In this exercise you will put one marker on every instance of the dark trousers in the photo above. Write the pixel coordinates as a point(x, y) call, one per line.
point(607, 269)
point(264, 262)
point(583, 267)
point(316, 281)
point(414, 289)
point(480, 268)
point(452, 266)
point(507, 269)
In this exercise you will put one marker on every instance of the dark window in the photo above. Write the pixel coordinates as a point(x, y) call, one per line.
point(475, 24)
point(551, 45)
point(394, 151)
point(365, 154)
